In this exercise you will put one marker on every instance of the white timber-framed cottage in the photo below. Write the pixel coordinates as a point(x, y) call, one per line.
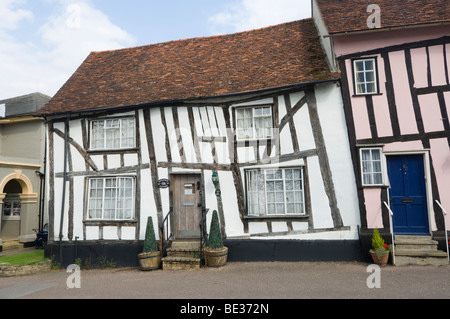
point(248, 124)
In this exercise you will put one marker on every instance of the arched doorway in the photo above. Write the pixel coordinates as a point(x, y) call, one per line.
point(18, 207)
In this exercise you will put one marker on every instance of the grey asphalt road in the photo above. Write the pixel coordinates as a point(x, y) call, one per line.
point(258, 280)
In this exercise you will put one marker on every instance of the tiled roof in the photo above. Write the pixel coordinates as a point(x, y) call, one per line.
point(272, 57)
point(351, 15)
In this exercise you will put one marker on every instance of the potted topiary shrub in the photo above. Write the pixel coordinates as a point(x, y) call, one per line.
point(380, 251)
point(150, 258)
point(215, 252)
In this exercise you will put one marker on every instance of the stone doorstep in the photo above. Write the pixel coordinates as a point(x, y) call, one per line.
point(180, 263)
point(182, 255)
point(11, 244)
point(25, 270)
point(418, 250)
point(420, 261)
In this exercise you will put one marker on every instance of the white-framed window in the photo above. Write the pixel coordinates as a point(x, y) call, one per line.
point(275, 192)
point(11, 207)
point(371, 166)
point(114, 133)
point(111, 198)
point(254, 122)
point(365, 76)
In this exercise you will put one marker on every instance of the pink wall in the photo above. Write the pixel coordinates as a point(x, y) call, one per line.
point(353, 43)
point(373, 207)
point(403, 100)
point(440, 154)
point(431, 113)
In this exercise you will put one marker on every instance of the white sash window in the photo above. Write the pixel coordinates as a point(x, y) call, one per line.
point(371, 166)
point(111, 198)
point(365, 76)
point(275, 192)
point(254, 123)
point(110, 134)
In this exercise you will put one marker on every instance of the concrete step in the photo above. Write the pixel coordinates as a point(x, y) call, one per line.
point(180, 263)
point(11, 244)
point(182, 255)
point(422, 243)
point(418, 250)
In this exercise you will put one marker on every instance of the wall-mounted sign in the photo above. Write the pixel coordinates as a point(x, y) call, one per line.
point(163, 183)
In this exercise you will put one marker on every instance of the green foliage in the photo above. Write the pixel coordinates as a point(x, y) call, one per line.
point(150, 239)
point(377, 240)
point(378, 244)
point(215, 235)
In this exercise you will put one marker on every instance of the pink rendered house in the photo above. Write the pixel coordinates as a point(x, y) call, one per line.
point(394, 59)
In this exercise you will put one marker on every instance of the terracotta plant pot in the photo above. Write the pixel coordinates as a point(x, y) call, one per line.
point(380, 261)
point(150, 261)
point(215, 257)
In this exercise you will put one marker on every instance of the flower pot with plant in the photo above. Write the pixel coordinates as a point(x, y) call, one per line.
point(150, 258)
point(380, 251)
point(215, 252)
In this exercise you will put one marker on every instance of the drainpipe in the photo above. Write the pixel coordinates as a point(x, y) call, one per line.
point(66, 131)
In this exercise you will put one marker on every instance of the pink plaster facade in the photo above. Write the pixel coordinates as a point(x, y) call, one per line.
point(408, 115)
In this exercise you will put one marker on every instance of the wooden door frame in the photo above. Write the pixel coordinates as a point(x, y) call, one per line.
point(172, 176)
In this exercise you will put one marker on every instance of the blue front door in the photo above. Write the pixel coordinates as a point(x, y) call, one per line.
point(407, 194)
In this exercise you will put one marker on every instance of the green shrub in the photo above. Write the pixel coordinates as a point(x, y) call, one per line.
point(377, 240)
point(215, 235)
point(150, 238)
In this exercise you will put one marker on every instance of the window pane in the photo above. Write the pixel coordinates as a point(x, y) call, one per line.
point(370, 88)
point(368, 65)
point(359, 66)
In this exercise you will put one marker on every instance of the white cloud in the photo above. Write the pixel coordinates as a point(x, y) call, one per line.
point(10, 15)
point(245, 15)
point(60, 45)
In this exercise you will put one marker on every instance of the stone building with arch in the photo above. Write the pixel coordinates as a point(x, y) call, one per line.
point(22, 170)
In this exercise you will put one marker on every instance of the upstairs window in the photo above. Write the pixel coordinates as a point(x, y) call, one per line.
point(112, 134)
point(254, 123)
point(371, 166)
point(365, 76)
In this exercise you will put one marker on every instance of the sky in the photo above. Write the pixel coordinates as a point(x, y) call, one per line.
point(43, 42)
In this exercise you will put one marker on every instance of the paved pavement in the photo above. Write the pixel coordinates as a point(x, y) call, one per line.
point(256, 281)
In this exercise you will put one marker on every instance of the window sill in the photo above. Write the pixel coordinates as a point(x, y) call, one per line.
point(254, 141)
point(276, 218)
point(114, 151)
point(99, 222)
point(375, 186)
point(367, 94)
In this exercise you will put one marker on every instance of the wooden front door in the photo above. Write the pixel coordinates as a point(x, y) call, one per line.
point(187, 206)
point(408, 194)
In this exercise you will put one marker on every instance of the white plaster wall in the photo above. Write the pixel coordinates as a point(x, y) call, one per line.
point(320, 208)
point(233, 223)
point(148, 206)
point(334, 129)
point(159, 135)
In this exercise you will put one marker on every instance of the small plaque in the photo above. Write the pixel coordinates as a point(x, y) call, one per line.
point(163, 183)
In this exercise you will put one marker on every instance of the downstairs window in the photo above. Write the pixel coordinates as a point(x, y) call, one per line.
point(111, 198)
point(275, 192)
